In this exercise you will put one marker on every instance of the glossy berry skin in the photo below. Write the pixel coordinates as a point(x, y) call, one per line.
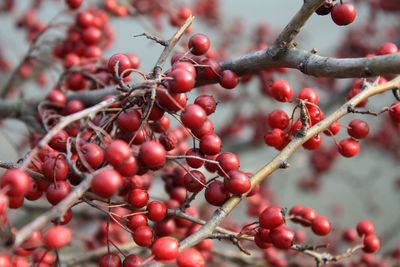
point(190, 258)
point(136, 221)
point(17, 180)
point(281, 90)
point(211, 72)
point(308, 214)
point(165, 248)
point(74, 4)
point(274, 138)
point(365, 227)
point(394, 112)
point(199, 44)
point(228, 161)
point(237, 183)
point(348, 148)
point(117, 152)
point(334, 128)
point(59, 141)
point(371, 244)
point(194, 181)
point(321, 225)
point(57, 192)
point(132, 260)
point(358, 129)
point(205, 129)
point(135, 60)
point(123, 64)
point(281, 237)
point(143, 236)
point(152, 155)
point(110, 260)
point(207, 102)
point(350, 235)
point(343, 14)
point(216, 194)
point(106, 183)
point(193, 116)
point(194, 162)
point(210, 144)
point(183, 81)
point(313, 143)
point(278, 119)
point(57, 237)
point(44, 257)
point(229, 79)
point(94, 154)
point(156, 211)
point(129, 120)
point(388, 48)
point(309, 95)
point(138, 198)
point(271, 217)
point(186, 66)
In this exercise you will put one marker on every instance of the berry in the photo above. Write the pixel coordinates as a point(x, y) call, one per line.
point(278, 119)
point(57, 97)
point(117, 152)
point(281, 90)
point(271, 218)
point(123, 61)
point(57, 237)
point(350, 235)
point(106, 183)
point(274, 137)
point(136, 221)
point(281, 237)
point(211, 71)
point(93, 154)
point(199, 44)
point(358, 129)
point(129, 120)
point(309, 95)
point(228, 161)
point(57, 192)
point(313, 143)
point(152, 155)
point(193, 116)
point(348, 147)
point(194, 162)
point(343, 13)
point(110, 260)
point(229, 79)
point(194, 181)
point(321, 225)
point(308, 214)
point(59, 141)
point(371, 244)
point(135, 61)
point(55, 169)
point(190, 258)
point(334, 128)
point(216, 194)
point(138, 198)
point(156, 211)
point(17, 181)
point(132, 260)
point(143, 236)
point(237, 183)
point(182, 82)
point(394, 112)
point(210, 144)
point(206, 129)
point(388, 48)
point(165, 248)
point(207, 102)
point(365, 228)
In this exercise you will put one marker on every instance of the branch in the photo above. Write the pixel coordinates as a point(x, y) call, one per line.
point(221, 213)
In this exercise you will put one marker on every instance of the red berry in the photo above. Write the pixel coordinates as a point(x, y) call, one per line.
point(57, 192)
point(85, 19)
point(132, 260)
point(182, 82)
point(110, 260)
point(135, 60)
point(199, 44)
point(94, 154)
point(358, 129)
point(207, 102)
point(211, 71)
point(59, 141)
point(57, 237)
point(117, 152)
point(216, 194)
point(365, 228)
point(194, 181)
point(321, 225)
point(388, 48)
point(355, 91)
point(281, 90)
point(194, 162)
point(316, 115)
point(343, 14)
point(44, 257)
point(210, 144)
point(371, 244)
point(348, 147)
point(278, 119)
point(309, 95)
point(228, 161)
point(206, 129)
point(193, 116)
point(74, 106)
point(165, 248)
point(136, 220)
point(138, 198)
point(186, 66)
point(350, 235)
point(394, 112)
point(152, 155)
point(271, 217)
point(91, 35)
point(143, 236)
point(281, 237)
point(334, 128)
point(156, 211)
point(237, 183)
point(57, 97)
point(308, 214)
point(229, 79)
point(274, 137)
point(17, 181)
point(129, 120)
point(123, 64)
point(313, 143)
point(106, 183)
point(261, 243)
point(190, 258)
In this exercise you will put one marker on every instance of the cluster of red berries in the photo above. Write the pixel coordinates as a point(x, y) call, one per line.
point(342, 13)
point(365, 230)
